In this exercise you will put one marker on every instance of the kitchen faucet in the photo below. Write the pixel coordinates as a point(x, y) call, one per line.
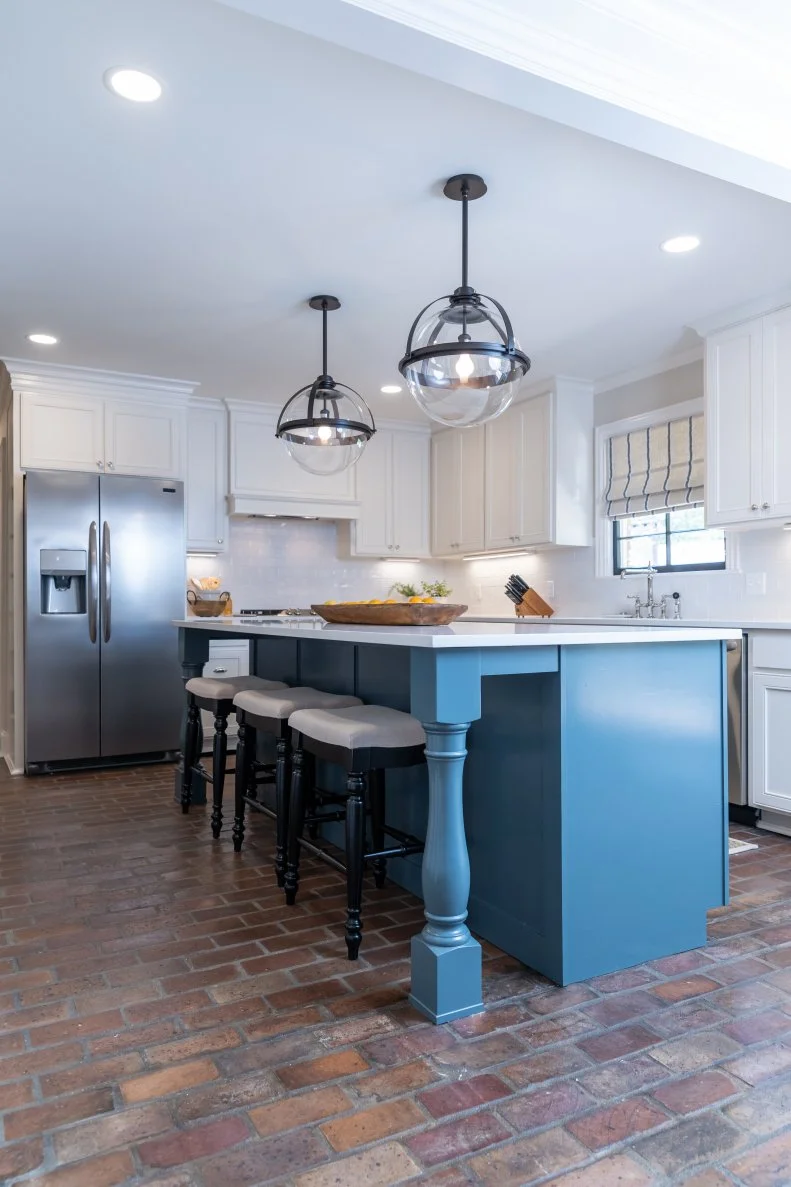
point(649, 605)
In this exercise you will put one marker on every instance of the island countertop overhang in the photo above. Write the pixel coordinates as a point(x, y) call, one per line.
point(464, 634)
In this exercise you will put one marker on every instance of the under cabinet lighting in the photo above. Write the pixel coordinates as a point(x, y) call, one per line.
point(487, 556)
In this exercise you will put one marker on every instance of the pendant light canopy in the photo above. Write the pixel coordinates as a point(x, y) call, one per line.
point(462, 364)
point(325, 425)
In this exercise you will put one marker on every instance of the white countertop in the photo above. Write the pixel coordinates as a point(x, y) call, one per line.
point(507, 633)
point(621, 620)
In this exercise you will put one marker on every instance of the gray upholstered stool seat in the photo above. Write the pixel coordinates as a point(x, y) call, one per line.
point(215, 694)
point(269, 712)
point(224, 688)
point(361, 727)
point(278, 706)
point(366, 740)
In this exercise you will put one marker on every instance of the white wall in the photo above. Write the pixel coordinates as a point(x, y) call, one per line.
point(292, 562)
point(760, 556)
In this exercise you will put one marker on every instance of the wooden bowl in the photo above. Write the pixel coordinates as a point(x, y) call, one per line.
point(395, 614)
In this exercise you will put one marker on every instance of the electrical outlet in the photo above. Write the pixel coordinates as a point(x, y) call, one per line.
point(755, 584)
point(549, 587)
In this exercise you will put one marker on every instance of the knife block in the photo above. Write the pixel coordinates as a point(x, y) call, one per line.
point(533, 604)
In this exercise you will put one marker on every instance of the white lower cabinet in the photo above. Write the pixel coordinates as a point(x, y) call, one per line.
point(770, 731)
point(230, 658)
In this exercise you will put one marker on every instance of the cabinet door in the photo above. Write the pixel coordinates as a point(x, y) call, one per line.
point(225, 659)
point(776, 427)
point(734, 399)
point(503, 480)
point(372, 531)
point(62, 433)
point(410, 453)
point(207, 480)
point(770, 729)
point(534, 447)
point(261, 466)
point(145, 439)
point(446, 515)
point(471, 494)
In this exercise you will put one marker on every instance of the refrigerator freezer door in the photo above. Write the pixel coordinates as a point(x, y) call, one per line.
point(62, 664)
point(142, 569)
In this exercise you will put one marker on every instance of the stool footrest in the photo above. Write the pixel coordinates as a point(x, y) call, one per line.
point(404, 850)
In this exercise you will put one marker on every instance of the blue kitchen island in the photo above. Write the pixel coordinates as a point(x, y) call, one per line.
point(574, 799)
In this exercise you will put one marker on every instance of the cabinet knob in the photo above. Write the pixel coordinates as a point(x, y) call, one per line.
point(765, 506)
point(111, 465)
point(219, 539)
point(390, 546)
point(754, 507)
point(398, 547)
point(100, 464)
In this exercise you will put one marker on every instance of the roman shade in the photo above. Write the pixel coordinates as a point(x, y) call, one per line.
point(655, 469)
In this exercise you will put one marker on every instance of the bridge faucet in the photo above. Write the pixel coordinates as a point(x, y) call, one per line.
point(649, 605)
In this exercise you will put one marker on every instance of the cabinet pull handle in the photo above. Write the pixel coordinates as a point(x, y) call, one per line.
point(219, 671)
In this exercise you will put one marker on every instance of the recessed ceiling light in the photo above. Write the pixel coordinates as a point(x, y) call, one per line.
point(132, 84)
point(391, 389)
point(43, 339)
point(680, 243)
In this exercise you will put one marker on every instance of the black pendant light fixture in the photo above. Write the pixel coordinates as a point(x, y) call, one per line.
point(325, 425)
point(461, 363)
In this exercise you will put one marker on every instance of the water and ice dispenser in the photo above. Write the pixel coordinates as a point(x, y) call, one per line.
point(63, 580)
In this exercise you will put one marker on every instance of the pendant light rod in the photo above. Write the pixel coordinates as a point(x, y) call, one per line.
point(465, 202)
point(326, 305)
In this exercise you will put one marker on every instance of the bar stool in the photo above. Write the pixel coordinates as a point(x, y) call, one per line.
point(365, 741)
point(269, 712)
point(215, 694)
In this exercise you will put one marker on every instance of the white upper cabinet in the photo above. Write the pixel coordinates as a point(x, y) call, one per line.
point(265, 480)
point(62, 434)
point(392, 487)
point(457, 491)
point(206, 488)
point(748, 422)
point(538, 470)
point(146, 439)
point(75, 419)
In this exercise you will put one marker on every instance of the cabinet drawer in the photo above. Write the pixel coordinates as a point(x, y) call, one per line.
point(770, 649)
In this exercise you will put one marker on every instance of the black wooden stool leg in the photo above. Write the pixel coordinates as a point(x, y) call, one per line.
point(243, 760)
point(191, 743)
point(376, 795)
point(219, 759)
point(282, 796)
point(296, 823)
point(355, 843)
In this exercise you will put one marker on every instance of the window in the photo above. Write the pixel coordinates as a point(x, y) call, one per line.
point(670, 541)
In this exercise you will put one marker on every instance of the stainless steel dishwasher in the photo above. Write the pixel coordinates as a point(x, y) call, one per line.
point(737, 720)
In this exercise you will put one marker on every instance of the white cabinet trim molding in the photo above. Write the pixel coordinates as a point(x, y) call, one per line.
point(28, 375)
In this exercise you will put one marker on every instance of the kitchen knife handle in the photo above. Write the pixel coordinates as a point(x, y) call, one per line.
point(106, 582)
point(93, 581)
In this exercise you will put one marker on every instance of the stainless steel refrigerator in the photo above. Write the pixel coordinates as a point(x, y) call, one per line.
point(104, 576)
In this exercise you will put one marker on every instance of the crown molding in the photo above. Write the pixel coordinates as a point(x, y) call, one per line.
point(658, 367)
point(30, 375)
point(739, 313)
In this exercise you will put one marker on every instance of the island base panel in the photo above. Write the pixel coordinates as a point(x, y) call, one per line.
point(446, 982)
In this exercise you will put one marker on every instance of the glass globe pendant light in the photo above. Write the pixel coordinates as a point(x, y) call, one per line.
point(461, 363)
point(326, 425)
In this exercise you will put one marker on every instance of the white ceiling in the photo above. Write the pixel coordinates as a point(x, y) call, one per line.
point(182, 238)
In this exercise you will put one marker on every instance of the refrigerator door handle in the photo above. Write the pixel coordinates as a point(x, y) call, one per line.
point(93, 580)
point(106, 582)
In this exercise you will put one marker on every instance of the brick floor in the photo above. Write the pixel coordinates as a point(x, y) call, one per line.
point(165, 1020)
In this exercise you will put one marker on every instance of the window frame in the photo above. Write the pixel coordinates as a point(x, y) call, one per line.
point(604, 534)
point(710, 567)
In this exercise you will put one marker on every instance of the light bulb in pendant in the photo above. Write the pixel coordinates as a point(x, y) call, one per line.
point(325, 433)
point(464, 367)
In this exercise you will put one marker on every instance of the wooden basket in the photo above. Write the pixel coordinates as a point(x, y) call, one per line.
point(393, 614)
point(208, 607)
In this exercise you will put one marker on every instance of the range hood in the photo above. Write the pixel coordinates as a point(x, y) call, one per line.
point(281, 506)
